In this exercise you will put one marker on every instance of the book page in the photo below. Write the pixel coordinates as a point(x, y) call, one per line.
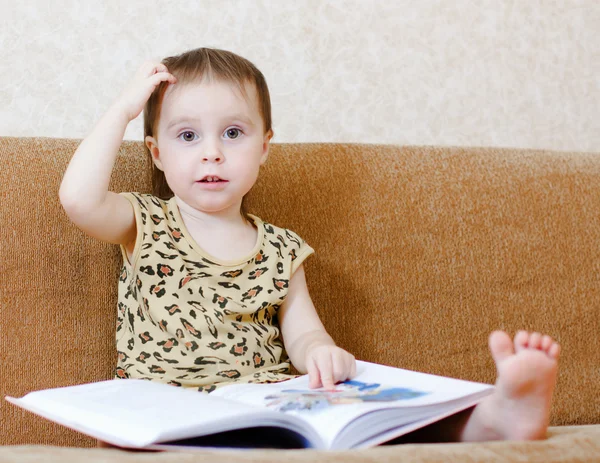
point(136, 413)
point(374, 388)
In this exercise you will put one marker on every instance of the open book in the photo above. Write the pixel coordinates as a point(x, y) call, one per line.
point(377, 405)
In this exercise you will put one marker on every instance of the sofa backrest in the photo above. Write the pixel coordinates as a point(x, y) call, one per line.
point(420, 253)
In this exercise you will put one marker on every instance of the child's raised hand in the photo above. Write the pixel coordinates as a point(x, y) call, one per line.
point(328, 364)
point(145, 80)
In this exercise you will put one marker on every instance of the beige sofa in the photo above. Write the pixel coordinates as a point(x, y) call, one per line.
point(420, 253)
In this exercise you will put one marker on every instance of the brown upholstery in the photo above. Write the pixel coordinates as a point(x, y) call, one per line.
point(420, 253)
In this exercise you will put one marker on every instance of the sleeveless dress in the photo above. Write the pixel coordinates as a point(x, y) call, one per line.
point(188, 319)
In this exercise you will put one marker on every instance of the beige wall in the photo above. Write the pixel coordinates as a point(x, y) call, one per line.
point(522, 73)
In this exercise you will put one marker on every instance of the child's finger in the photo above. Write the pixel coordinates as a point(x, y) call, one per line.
point(162, 76)
point(160, 67)
point(352, 367)
point(314, 379)
point(148, 68)
point(324, 363)
point(339, 366)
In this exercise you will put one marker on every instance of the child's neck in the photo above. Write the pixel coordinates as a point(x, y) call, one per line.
point(225, 235)
point(230, 217)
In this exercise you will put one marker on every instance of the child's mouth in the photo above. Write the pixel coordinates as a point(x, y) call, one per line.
point(212, 179)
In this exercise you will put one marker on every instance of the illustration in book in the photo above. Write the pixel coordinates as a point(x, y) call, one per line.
point(347, 392)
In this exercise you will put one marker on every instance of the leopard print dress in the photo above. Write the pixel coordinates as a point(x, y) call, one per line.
point(187, 319)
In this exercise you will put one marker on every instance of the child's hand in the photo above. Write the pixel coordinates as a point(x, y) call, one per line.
point(139, 89)
point(328, 364)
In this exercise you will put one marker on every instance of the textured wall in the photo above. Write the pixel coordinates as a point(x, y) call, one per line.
point(517, 73)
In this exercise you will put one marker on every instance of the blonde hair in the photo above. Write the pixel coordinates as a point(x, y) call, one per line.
point(193, 66)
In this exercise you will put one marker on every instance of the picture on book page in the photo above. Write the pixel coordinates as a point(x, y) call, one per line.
point(347, 392)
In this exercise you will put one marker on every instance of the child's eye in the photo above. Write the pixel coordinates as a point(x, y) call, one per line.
point(233, 133)
point(187, 136)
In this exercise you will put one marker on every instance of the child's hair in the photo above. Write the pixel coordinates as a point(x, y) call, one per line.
point(193, 66)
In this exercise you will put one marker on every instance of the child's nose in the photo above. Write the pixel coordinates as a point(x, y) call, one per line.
point(212, 153)
point(212, 157)
point(211, 150)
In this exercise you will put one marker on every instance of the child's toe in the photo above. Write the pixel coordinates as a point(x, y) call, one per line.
point(500, 346)
point(535, 341)
point(546, 343)
point(521, 340)
point(554, 350)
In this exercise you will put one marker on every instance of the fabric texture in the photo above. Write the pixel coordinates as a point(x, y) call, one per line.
point(420, 253)
point(189, 319)
point(566, 444)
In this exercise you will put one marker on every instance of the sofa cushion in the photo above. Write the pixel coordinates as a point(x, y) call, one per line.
point(565, 444)
point(420, 253)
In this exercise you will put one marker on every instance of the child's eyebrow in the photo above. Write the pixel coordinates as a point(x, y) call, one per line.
point(238, 117)
point(181, 120)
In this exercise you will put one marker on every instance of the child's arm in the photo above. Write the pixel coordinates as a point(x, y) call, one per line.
point(310, 348)
point(84, 189)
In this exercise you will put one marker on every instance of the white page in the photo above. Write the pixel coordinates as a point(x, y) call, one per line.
point(409, 427)
point(136, 413)
point(329, 420)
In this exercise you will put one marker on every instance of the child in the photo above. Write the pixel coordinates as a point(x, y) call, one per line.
point(209, 294)
point(207, 291)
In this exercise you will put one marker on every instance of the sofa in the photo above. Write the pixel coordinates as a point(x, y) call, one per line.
point(421, 252)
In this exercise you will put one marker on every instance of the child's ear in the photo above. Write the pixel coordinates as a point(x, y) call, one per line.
point(153, 148)
point(266, 142)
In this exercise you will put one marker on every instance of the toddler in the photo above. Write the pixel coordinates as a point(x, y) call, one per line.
point(210, 294)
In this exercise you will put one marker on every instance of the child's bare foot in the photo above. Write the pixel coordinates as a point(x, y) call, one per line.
point(519, 408)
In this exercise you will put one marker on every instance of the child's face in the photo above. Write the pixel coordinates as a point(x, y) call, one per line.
point(210, 131)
